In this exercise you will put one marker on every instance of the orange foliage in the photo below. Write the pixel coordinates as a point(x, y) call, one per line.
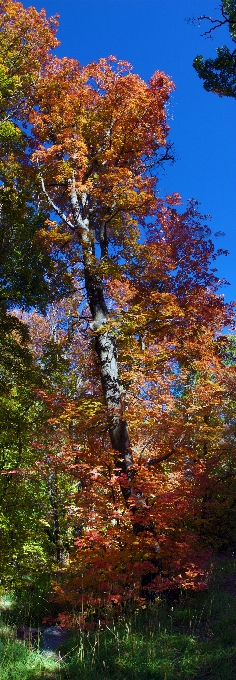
point(150, 293)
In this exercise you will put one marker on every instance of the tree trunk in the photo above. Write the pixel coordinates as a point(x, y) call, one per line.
point(105, 348)
point(106, 351)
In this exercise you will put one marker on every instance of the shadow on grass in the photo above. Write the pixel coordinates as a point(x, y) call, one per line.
point(131, 656)
point(191, 640)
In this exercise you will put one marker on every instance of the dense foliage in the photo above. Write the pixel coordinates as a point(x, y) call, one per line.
point(118, 433)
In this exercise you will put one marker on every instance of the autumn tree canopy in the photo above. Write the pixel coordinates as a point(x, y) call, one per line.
point(127, 437)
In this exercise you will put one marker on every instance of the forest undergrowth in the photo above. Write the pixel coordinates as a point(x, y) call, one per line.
point(192, 637)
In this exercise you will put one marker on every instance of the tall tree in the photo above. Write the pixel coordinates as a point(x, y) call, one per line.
point(131, 374)
point(98, 129)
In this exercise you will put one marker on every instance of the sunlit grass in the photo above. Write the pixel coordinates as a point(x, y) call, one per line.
point(19, 662)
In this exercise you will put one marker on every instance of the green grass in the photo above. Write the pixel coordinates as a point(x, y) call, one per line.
point(18, 662)
point(190, 640)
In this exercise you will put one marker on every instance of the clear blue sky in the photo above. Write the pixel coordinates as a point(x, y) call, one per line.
point(153, 34)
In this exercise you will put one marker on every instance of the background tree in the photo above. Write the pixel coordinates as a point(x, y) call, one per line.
point(26, 265)
point(31, 274)
point(219, 74)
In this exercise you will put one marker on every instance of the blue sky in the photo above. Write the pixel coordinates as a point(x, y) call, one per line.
point(154, 35)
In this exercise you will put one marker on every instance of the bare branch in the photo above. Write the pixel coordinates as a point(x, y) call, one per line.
point(218, 23)
point(55, 207)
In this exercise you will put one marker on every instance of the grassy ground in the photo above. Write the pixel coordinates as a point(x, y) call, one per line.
point(193, 639)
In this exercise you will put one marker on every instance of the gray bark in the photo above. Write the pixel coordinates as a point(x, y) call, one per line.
point(104, 345)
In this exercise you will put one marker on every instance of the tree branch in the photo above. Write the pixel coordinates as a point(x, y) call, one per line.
point(55, 207)
point(155, 461)
point(218, 23)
